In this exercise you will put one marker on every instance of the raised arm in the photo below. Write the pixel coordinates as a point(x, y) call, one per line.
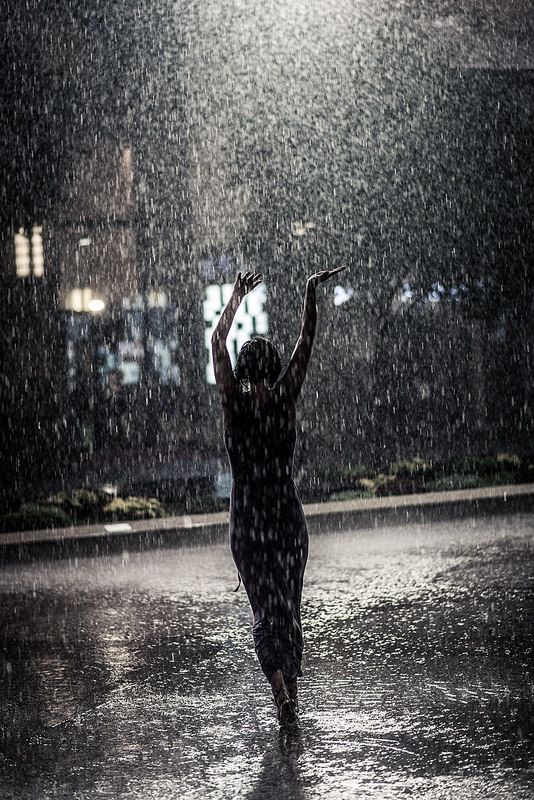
point(224, 375)
point(295, 374)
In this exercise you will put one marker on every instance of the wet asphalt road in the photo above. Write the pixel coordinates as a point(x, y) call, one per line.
point(135, 676)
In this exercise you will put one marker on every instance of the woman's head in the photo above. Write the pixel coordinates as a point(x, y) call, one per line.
point(258, 361)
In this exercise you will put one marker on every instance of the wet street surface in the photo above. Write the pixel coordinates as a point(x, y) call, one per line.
point(135, 676)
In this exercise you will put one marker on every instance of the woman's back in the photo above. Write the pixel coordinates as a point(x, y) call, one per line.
point(261, 438)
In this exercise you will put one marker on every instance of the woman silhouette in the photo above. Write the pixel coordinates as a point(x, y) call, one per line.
point(268, 534)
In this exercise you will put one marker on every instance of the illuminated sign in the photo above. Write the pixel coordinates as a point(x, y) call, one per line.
point(250, 320)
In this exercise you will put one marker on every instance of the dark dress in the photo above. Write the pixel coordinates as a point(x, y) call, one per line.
point(268, 534)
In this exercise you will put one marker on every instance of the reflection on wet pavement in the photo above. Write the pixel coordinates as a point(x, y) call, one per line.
point(135, 675)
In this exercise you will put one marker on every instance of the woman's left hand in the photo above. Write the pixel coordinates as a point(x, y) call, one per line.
point(321, 277)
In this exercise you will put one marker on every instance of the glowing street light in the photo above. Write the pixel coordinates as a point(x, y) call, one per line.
point(96, 305)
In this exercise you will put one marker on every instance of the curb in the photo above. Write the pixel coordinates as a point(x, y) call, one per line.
point(204, 529)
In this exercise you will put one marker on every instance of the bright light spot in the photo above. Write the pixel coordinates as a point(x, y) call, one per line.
point(131, 355)
point(96, 305)
point(74, 301)
point(250, 320)
point(342, 295)
point(37, 251)
point(424, 390)
point(80, 300)
point(299, 228)
point(85, 241)
point(406, 294)
point(22, 254)
point(157, 299)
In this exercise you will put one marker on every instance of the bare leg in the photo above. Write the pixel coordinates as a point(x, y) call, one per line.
point(292, 691)
point(283, 701)
point(278, 685)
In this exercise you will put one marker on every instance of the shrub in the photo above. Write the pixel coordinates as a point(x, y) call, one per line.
point(324, 479)
point(383, 485)
point(379, 485)
point(526, 471)
point(508, 461)
point(80, 504)
point(351, 494)
point(399, 484)
point(131, 508)
point(34, 516)
point(502, 478)
point(466, 481)
point(84, 499)
point(353, 473)
point(485, 465)
point(410, 468)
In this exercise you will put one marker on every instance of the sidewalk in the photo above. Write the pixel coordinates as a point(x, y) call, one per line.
point(95, 540)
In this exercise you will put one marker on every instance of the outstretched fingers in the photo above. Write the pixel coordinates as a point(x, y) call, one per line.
point(324, 275)
point(246, 282)
point(251, 280)
point(328, 273)
point(335, 271)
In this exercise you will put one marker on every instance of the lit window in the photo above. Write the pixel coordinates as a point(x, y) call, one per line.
point(250, 320)
point(29, 253)
point(165, 361)
point(37, 251)
point(157, 299)
point(84, 300)
point(22, 254)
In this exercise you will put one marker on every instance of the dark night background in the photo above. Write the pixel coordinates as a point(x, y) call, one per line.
point(188, 139)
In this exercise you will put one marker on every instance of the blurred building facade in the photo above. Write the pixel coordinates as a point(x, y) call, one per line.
point(124, 225)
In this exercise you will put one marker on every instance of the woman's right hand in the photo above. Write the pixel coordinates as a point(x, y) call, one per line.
point(321, 277)
point(246, 283)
